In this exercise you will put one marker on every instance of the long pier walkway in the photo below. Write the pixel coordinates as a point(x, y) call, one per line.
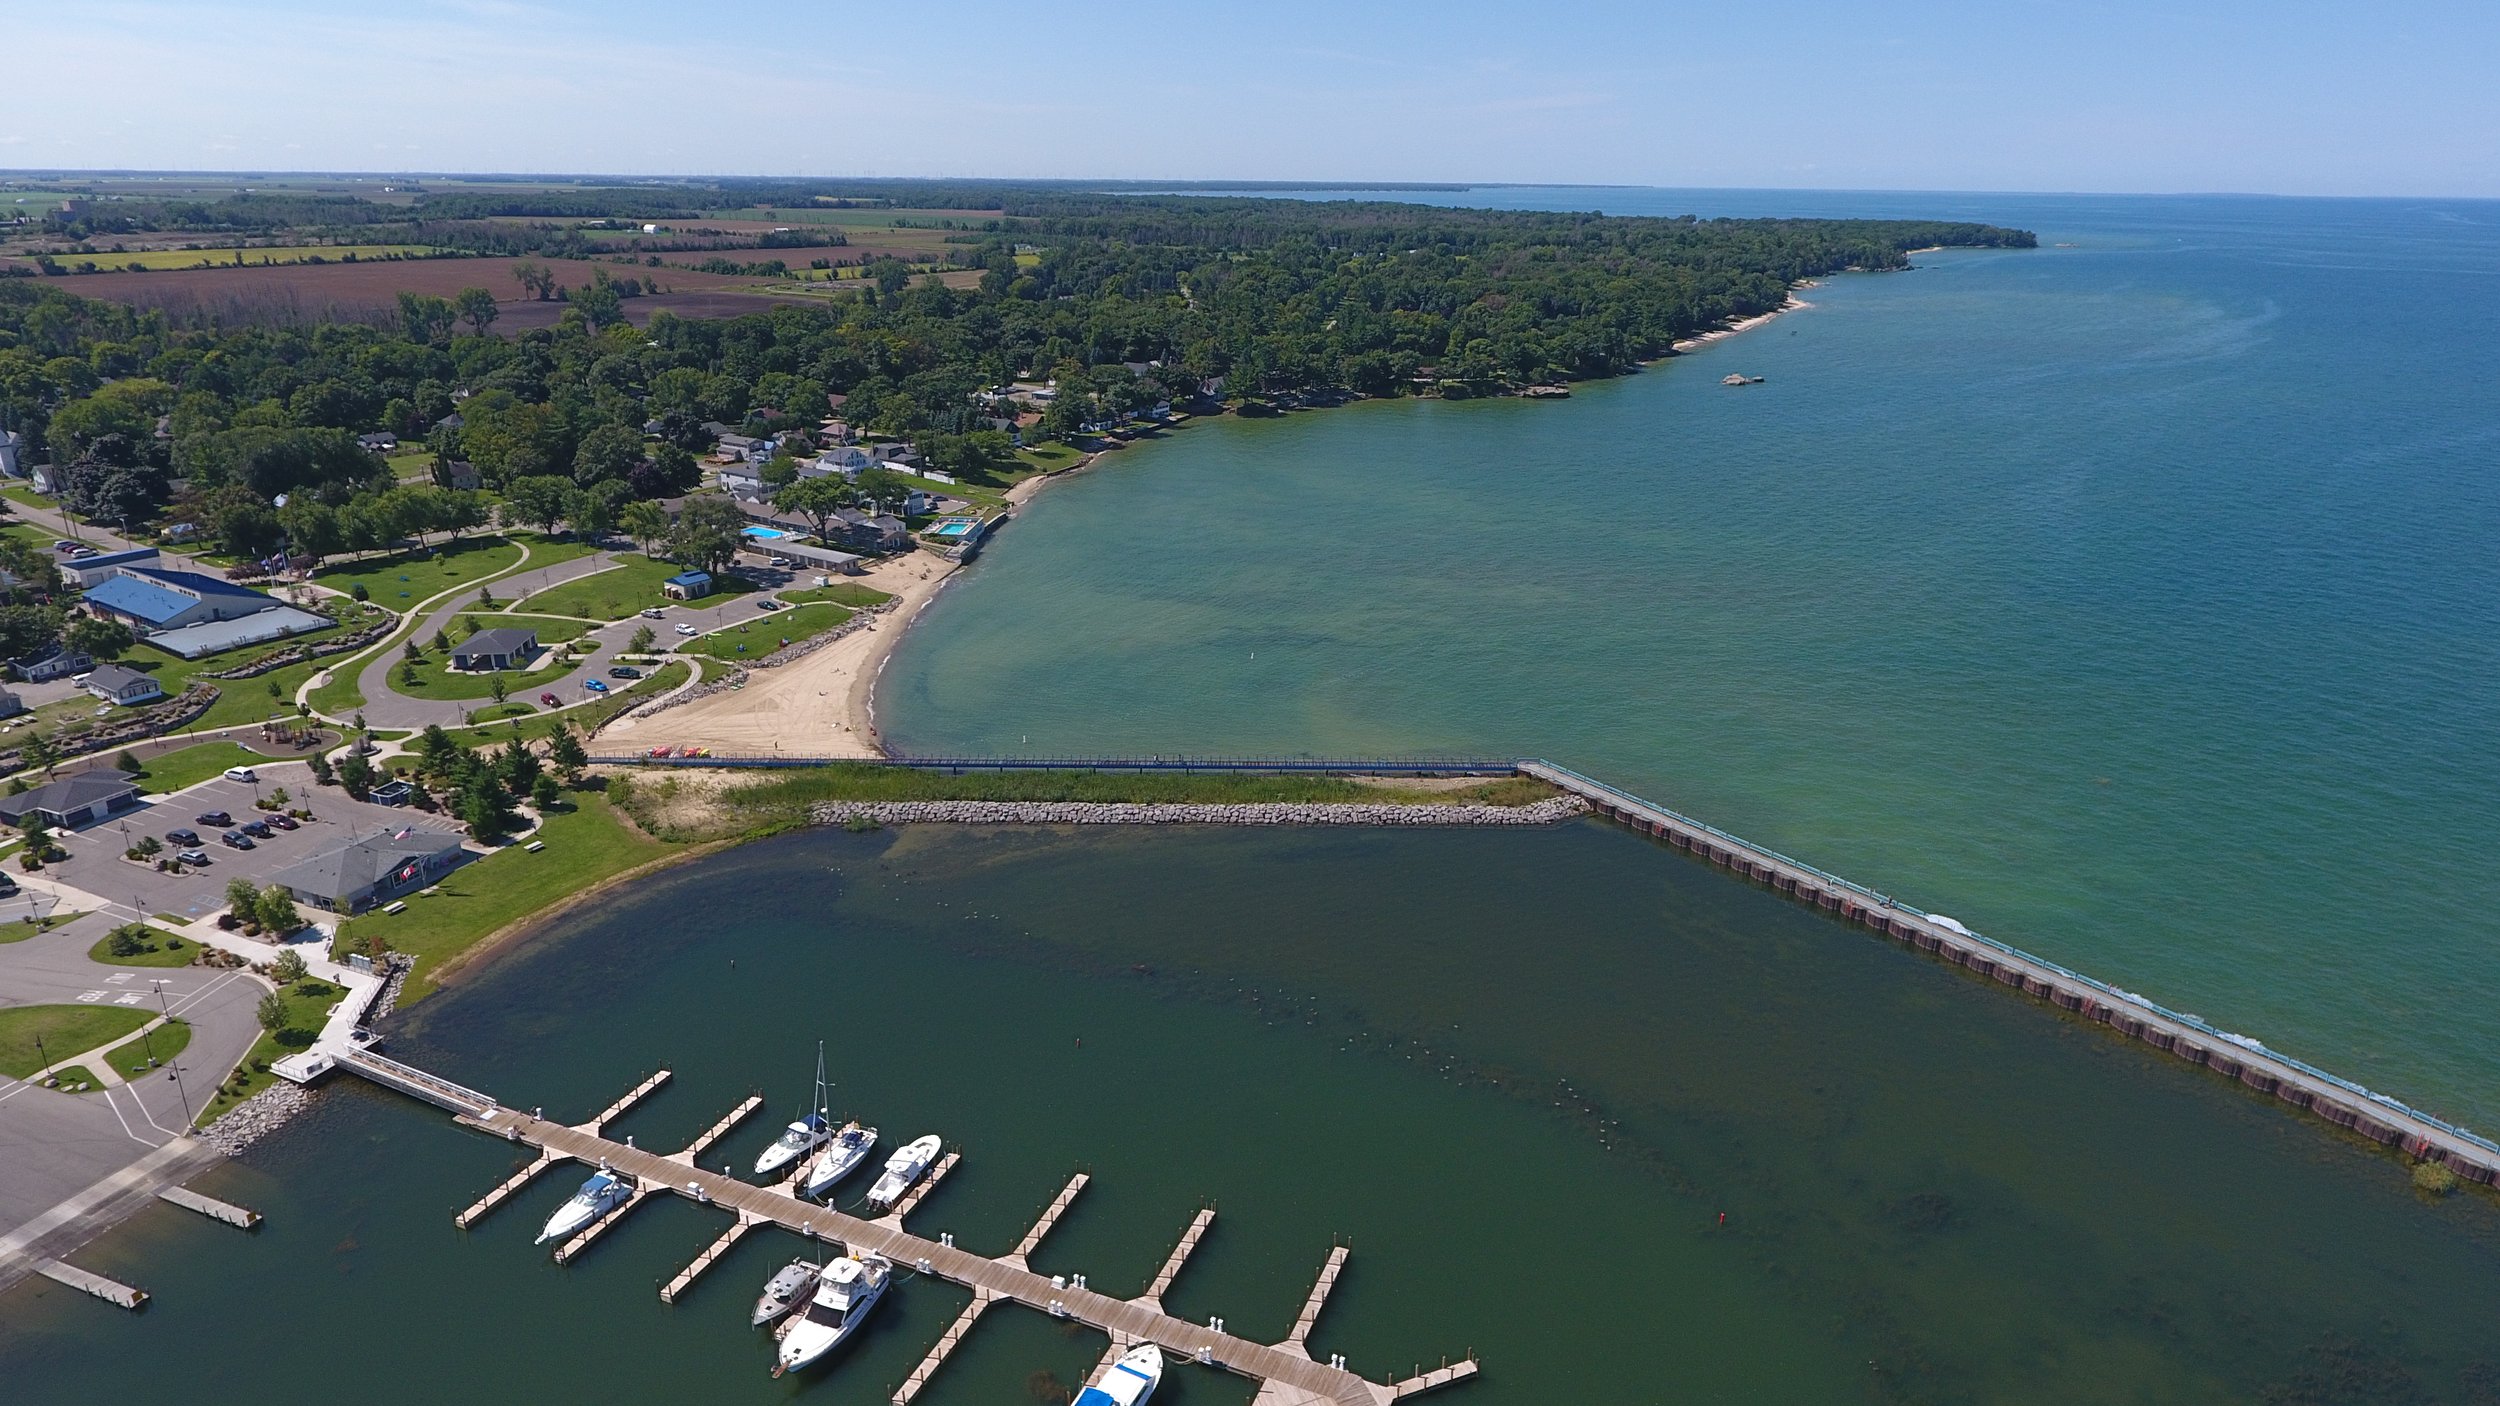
point(1288, 1377)
point(2338, 1101)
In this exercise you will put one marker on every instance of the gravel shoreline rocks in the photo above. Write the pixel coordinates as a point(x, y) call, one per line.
point(257, 1117)
point(1546, 812)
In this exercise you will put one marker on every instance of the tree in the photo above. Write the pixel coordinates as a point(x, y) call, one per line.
point(542, 499)
point(40, 751)
point(243, 900)
point(105, 639)
point(710, 529)
point(28, 631)
point(883, 486)
point(314, 528)
point(780, 471)
point(476, 306)
point(815, 499)
point(535, 279)
point(567, 752)
point(288, 968)
point(356, 776)
point(544, 793)
point(607, 453)
point(460, 510)
point(273, 1012)
point(591, 510)
point(426, 319)
point(646, 522)
point(642, 641)
point(323, 773)
point(486, 813)
point(498, 687)
point(276, 910)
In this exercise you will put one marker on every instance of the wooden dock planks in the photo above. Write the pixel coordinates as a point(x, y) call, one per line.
point(1162, 1283)
point(211, 1207)
point(505, 1191)
point(1309, 1317)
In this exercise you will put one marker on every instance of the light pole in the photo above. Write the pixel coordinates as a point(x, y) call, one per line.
point(179, 1089)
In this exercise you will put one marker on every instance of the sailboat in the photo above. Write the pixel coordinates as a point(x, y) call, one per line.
point(803, 1136)
point(901, 1170)
point(844, 1293)
point(604, 1192)
point(1127, 1382)
point(841, 1157)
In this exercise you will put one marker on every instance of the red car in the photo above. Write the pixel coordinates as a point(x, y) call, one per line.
point(549, 699)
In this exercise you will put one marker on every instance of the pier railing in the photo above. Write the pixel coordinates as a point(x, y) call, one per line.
point(1588, 785)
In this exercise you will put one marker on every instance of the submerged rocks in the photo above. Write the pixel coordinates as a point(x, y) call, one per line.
point(1544, 812)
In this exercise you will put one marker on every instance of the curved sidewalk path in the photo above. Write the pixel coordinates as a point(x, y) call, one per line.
point(387, 707)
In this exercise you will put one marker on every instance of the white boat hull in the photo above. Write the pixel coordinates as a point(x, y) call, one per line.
point(837, 1162)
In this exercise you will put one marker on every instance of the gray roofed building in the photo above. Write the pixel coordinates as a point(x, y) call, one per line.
point(361, 873)
point(74, 800)
point(496, 649)
point(212, 636)
point(119, 683)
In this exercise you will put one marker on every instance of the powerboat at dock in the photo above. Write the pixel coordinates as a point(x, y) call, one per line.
point(786, 1290)
point(604, 1192)
point(796, 1141)
point(845, 1292)
point(841, 1157)
point(902, 1170)
point(1127, 1382)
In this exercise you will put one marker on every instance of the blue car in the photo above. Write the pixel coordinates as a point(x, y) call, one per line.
point(595, 686)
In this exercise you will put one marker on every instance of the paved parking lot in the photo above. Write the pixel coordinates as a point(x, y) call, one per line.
point(96, 865)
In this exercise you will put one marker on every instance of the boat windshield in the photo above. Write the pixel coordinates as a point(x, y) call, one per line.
point(797, 1135)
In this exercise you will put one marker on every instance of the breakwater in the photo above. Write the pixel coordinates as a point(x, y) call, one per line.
point(1550, 811)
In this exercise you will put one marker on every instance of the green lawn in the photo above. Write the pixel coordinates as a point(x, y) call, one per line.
point(656, 679)
point(400, 581)
point(552, 629)
point(187, 766)
point(18, 929)
point(584, 845)
point(308, 1004)
point(71, 1076)
point(1050, 458)
point(160, 1044)
point(411, 464)
point(765, 633)
point(65, 1031)
point(621, 590)
point(437, 679)
point(840, 593)
point(164, 950)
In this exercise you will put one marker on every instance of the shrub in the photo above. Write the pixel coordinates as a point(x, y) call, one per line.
point(2432, 1179)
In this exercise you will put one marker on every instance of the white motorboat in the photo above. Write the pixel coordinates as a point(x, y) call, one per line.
point(841, 1157)
point(845, 1292)
point(604, 1192)
point(1127, 1382)
point(786, 1290)
point(901, 1170)
point(803, 1136)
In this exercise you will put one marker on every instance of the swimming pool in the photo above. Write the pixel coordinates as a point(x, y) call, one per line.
point(953, 527)
point(765, 533)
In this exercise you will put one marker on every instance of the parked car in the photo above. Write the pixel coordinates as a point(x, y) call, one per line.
point(624, 671)
point(8, 887)
point(236, 839)
point(685, 629)
point(241, 773)
point(183, 836)
point(63, 544)
point(193, 855)
point(550, 700)
point(283, 822)
point(214, 819)
point(653, 613)
point(768, 603)
point(595, 686)
point(257, 829)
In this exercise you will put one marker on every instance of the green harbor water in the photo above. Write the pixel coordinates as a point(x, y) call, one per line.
point(1523, 1074)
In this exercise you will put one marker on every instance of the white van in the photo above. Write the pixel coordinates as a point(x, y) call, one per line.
point(241, 773)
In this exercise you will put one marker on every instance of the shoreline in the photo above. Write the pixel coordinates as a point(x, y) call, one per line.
point(1745, 324)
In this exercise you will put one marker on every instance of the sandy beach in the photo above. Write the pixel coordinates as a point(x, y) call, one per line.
point(815, 707)
point(1743, 324)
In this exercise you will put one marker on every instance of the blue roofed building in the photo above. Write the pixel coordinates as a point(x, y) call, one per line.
point(149, 601)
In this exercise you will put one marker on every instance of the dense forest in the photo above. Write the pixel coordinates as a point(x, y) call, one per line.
point(1125, 301)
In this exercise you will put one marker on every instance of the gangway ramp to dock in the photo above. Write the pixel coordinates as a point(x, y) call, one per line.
point(1286, 1373)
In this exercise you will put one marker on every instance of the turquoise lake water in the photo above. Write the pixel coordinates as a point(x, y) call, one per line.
point(2135, 599)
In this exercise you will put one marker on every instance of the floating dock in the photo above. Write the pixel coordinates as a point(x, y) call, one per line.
point(2339, 1101)
point(211, 1207)
point(1286, 1374)
point(118, 1294)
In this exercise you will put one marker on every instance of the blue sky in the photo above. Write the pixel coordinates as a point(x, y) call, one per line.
point(2289, 97)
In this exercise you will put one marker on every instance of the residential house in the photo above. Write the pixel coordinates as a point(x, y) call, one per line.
point(59, 664)
point(169, 600)
point(10, 447)
point(84, 572)
point(10, 704)
point(742, 481)
point(844, 459)
point(79, 799)
point(459, 473)
point(119, 683)
point(687, 585)
point(381, 442)
point(355, 876)
point(491, 651)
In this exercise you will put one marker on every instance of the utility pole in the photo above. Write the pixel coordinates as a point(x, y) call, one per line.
point(179, 1088)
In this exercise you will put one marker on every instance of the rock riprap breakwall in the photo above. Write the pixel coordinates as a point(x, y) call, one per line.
point(1545, 812)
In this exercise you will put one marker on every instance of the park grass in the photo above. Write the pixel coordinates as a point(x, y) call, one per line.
point(630, 586)
point(764, 636)
point(403, 579)
point(165, 950)
point(552, 629)
point(437, 680)
point(308, 1004)
point(131, 1061)
point(587, 843)
point(73, 1075)
point(411, 464)
point(66, 1031)
point(1050, 457)
point(19, 929)
point(188, 766)
point(849, 593)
